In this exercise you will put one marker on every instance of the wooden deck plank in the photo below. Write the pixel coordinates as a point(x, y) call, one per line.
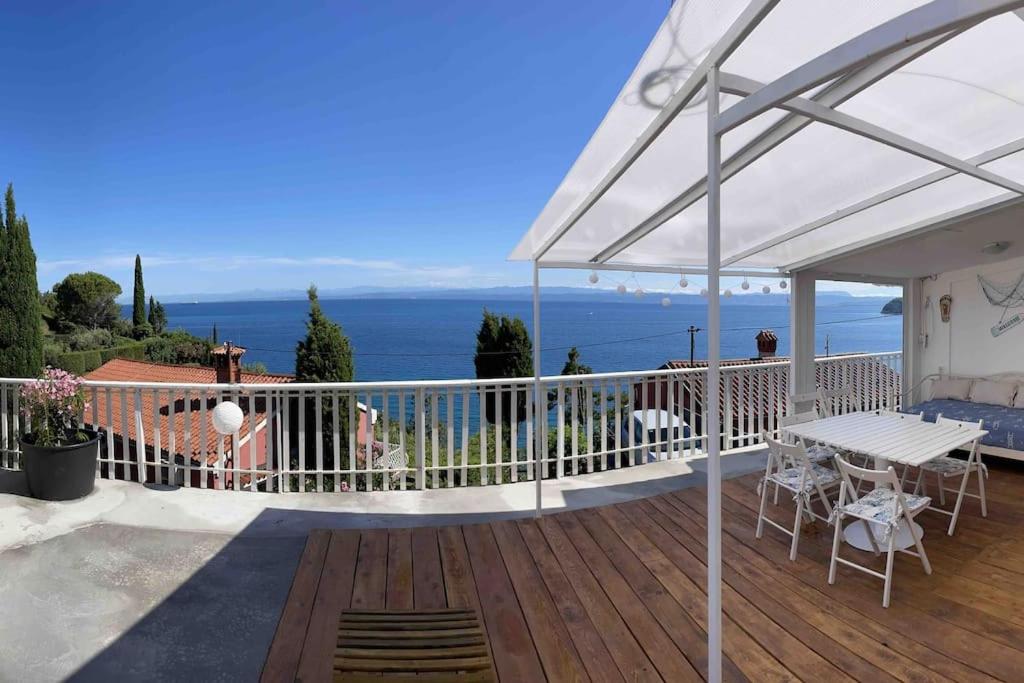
point(952, 620)
point(864, 594)
point(334, 593)
point(659, 646)
point(555, 648)
point(283, 658)
point(427, 579)
point(515, 656)
point(585, 637)
point(399, 589)
point(865, 656)
point(370, 584)
point(617, 593)
point(622, 645)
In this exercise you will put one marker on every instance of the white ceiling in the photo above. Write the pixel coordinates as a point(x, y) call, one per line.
point(938, 250)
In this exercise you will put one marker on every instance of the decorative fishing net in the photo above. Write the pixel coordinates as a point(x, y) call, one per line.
point(1005, 296)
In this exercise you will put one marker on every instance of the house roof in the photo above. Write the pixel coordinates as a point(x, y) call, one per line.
point(890, 117)
point(119, 415)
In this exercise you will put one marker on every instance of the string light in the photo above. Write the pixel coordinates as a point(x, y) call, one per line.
point(728, 293)
point(683, 282)
point(621, 289)
point(666, 302)
point(593, 277)
point(639, 293)
point(745, 285)
point(766, 289)
point(783, 284)
point(703, 291)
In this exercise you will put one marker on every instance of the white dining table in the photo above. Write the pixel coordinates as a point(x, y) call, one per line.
point(890, 438)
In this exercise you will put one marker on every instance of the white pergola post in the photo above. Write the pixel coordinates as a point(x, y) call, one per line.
point(802, 377)
point(714, 430)
point(540, 414)
point(913, 311)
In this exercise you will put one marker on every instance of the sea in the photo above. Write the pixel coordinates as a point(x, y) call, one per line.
point(421, 338)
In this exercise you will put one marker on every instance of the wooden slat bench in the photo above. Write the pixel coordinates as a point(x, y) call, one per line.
point(436, 644)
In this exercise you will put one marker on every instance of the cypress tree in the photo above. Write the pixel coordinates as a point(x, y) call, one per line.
point(21, 335)
point(138, 296)
point(503, 349)
point(213, 335)
point(325, 355)
point(152, 313)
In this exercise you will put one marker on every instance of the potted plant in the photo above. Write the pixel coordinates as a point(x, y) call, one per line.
point(59, 457)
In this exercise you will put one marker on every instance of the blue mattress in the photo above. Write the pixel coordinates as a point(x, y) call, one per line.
point(1005, 425)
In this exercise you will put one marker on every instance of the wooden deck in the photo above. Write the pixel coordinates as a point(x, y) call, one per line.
point(617, 594)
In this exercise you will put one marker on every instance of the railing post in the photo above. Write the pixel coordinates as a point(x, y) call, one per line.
point(421, 441)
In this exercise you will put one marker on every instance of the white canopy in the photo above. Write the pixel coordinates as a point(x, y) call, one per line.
point(912, 131)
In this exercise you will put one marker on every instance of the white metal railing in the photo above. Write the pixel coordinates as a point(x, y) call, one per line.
point(437, 434)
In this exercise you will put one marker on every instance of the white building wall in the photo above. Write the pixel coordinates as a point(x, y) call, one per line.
point(965, 345)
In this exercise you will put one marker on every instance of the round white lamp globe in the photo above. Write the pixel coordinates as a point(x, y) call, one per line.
point(783, 284)
point(593, 278)
point(666, 302)
point(684, 283)
point(639, 292)
point(744, 285)
point(227, 418)
point(621, 289)
point(728, 293)
point(766, 289)
point(703, 291)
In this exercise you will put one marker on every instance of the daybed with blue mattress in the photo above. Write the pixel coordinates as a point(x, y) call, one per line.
point(999, 401)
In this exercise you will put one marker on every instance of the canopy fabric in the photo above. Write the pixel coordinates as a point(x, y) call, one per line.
point(963, 96)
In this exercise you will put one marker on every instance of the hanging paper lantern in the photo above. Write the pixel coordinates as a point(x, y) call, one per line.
point(728, 293)
point(593, 277)
point(783, 284)
point(227, 418)
point(766, 289)
point(684, 283)
point(639, 292)
point(666, 302)
point(744, 285)
point(703, 291)
point(621, 289)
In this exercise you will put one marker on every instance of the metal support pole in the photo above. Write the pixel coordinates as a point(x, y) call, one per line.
point(714, 418)
point(539, 407)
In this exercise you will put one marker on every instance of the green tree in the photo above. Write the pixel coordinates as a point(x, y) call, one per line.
point(325, 355)
point(574, 367)
point(157, 316)
point(213, 334)
point(87, 299)
point(21, 333)
point(503, 349)
point(138, 296)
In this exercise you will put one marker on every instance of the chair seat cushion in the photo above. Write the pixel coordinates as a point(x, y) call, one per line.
point(819, 452)
point(789, 478)
point(945, 465)
point(879, 505)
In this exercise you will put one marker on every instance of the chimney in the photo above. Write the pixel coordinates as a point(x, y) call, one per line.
point(227, 360)
point(767, 343)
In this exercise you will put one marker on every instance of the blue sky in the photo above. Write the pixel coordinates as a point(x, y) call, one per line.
point(265, 145)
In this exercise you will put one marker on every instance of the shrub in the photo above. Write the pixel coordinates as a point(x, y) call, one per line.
point(87, 340)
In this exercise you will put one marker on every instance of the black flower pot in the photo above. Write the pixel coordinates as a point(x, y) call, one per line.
point(61, 472)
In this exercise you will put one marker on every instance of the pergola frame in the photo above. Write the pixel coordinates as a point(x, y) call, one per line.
point(856, 65)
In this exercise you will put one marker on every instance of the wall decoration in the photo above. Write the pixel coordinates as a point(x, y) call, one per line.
point(945, 307)
point(1005, 296)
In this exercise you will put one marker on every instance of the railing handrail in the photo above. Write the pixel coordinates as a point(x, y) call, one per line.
point(290, 387)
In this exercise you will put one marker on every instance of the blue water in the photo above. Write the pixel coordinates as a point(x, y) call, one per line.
point(409, 339)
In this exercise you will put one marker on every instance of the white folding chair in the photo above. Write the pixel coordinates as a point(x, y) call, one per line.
point(948, 467)
point(833, 402)
point(882, 507)
point(789, 468)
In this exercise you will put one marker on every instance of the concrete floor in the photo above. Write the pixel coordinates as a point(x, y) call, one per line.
point(136, 583)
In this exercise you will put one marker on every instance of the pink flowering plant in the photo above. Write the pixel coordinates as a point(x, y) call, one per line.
point(54, 405)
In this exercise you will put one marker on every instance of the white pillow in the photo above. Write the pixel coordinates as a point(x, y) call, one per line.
point(960, 389)
point(993, 393)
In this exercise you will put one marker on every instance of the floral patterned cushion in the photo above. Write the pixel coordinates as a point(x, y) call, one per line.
point(819, 452)
point(789, 478)
point(880, 505)
point(945, 465)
